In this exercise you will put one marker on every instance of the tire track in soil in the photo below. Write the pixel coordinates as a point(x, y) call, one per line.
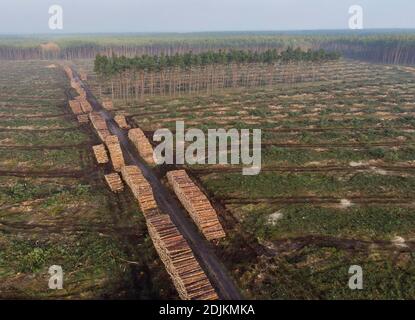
point(236, 169)
point(49, 173)
point(52, 116)
point(298, 243)
point(150, 133)
point(321, 200)
point(48, 147)
point(38, 130)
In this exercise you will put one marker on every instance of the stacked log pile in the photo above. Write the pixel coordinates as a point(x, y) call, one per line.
point(81, 92)
point(142, 144)
point(83, 118)
point(140, 188)
point(107, 104)
point(114, 182)
point(86, 106)
point(100, 154)
point(99, 124)
point(121, 121)
point(77, 86)
point(197, 204)
point(83, 75)
point(75, 106)
point(115, 151)
point(68, 72)
point(188, 277)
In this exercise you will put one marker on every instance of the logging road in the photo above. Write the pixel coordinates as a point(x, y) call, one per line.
point(203, 250)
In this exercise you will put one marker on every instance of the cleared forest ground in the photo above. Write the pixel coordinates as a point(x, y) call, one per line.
point(294, 230)
point(55, 208)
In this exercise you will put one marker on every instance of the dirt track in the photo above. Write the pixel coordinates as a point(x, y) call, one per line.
point(38, 130)
point(357, 145)
point(322, 200)
point(297, 243)
point(46, 174)
point(47, 147)
point(318, 129)
point(20, 117)
point(235, 169)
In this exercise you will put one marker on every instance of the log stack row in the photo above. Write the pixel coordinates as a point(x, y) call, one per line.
point(75, 107)
point(121, 121)
point(115, 151)
point(140, 188)
point(188, 277)
point(100, 154)
point(99, 124)
point(197, 204)
point(77, 86)
point(107, 104)
point(86, 106)
point(114, 182)
point(83, 118)
point(142, 145)
point(80, 104)
point(68, 72)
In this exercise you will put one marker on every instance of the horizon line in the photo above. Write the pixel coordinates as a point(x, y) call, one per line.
point(59, 33)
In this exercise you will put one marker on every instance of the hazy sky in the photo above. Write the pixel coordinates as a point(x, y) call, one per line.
point(31, 16)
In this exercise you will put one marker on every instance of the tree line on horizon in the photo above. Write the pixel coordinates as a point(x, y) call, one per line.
point(395, 47)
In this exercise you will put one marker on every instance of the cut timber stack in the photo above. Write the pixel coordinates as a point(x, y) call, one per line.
point(142, 144)
point(83, 118)
point(86, 106)
point(188, 277)
point(140, 188)
point(68, 72)
point(75, 84)
point(114, 182)
point(99, 124)
point(197, 204)
point(107, 104)
point(115, 151)
point(75, 107)
point(120, 120)
point(81, 92)
point(100, 154)
point(83, 75)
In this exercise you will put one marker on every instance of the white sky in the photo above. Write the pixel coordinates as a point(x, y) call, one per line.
point(88, 16)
